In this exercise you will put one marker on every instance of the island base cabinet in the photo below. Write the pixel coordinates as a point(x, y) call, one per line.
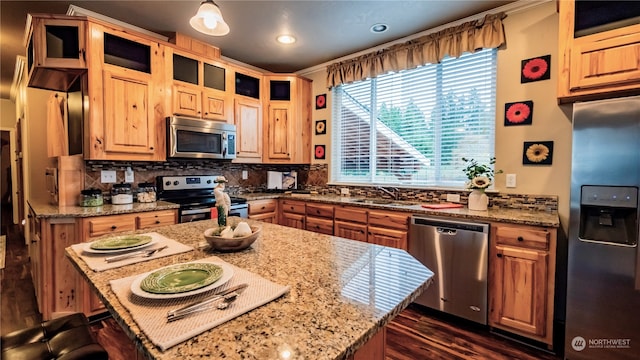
point(59, 288)
point(374, 349)
point(57, 284)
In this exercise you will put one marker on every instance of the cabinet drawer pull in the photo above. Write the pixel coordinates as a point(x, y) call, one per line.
point(520, 238)
point(157, 221)
point(499, 255)
point(113, 227)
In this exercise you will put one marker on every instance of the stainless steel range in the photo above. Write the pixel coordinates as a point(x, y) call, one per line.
point(194, 194)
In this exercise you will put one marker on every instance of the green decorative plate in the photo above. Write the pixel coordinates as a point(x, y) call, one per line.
point(181, 278)
point(121, 242)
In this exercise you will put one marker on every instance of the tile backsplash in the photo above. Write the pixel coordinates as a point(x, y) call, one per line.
point(310, 177)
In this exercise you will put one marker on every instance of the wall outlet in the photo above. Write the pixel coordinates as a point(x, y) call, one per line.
point(453, 197)
point(511, 180)
point(344, 191)
point(245, 174)
point(128, 175)
point(108, 176)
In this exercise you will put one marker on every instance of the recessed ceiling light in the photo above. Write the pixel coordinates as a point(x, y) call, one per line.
point(286, 39)
point(379, 28)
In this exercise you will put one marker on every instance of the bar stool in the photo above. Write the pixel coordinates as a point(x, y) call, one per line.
point(65, 338)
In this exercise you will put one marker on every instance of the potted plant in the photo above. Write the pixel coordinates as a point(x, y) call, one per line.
point(480, 178)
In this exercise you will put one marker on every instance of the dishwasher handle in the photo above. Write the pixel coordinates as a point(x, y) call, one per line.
point(446, 231)
point(449, 225)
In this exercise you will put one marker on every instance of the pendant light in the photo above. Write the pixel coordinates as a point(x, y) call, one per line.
point(208, 20)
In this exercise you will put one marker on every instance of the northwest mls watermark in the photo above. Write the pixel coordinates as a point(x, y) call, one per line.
point(578, 343)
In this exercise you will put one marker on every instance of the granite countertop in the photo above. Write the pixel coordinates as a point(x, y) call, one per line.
point(46, 210)
point(342, 293)
point(514, 216)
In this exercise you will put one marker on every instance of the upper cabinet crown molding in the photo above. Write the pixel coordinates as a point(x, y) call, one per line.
point(600, 65)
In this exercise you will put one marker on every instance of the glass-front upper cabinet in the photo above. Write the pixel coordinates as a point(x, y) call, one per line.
point(56, 50)
point(127, 53)
point(199, 88)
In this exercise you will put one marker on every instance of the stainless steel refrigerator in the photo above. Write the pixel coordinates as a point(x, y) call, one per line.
point(603, 290)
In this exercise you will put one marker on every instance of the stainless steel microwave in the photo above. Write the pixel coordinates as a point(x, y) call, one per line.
point(200, 139)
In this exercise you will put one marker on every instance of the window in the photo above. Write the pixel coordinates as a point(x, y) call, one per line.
point(413, 127)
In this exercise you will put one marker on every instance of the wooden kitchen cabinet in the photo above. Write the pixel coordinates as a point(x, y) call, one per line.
point(522, 280)
point(319, 218)
point(147, 220)
point(127, 91)
point(35, 253)
point(95, 227)
point(248, 121)
point(388, 228)
point(129, 124)
point(350, 223)
point(292, 214)
point(598, 65)
point(56, 50)
point(287, 119)
point(265, 210)
point(59, 288)
point(200, 87)
point(195, 46)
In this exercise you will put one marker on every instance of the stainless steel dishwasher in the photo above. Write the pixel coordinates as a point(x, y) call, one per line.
point(457, 252)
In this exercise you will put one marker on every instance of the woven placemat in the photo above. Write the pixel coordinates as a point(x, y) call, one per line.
point(97, 263)
point(151, 314)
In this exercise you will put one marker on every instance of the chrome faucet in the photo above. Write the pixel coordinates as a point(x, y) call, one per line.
point(394, 192)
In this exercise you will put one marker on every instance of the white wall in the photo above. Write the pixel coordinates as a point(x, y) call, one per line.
point(530, 33)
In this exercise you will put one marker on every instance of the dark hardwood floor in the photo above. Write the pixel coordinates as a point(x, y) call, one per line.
point(416, 334)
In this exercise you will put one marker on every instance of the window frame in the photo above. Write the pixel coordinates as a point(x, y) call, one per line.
point(372, 177)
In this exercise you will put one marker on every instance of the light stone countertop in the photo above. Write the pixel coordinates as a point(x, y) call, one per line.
point(46, 210)
point(514, 216)
point(342, 293)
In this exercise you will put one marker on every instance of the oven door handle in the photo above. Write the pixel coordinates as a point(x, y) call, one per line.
point(195, 211)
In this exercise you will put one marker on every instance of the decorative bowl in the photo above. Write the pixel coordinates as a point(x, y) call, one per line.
point(231, 244)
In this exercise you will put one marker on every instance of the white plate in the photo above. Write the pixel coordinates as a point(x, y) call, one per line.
point(227, 274)
point(87, 248)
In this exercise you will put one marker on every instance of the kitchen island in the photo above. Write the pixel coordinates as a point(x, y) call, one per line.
point(342, 294)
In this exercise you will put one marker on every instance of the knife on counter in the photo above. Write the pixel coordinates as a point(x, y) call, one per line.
point(180, 312)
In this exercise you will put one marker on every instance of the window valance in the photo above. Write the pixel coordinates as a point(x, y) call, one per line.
point(428, 49)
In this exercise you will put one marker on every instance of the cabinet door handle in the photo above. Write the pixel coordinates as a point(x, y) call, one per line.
point(113, 227)
point(499, 255)
point(520, 238)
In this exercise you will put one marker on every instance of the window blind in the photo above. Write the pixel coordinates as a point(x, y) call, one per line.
point(413, 127)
